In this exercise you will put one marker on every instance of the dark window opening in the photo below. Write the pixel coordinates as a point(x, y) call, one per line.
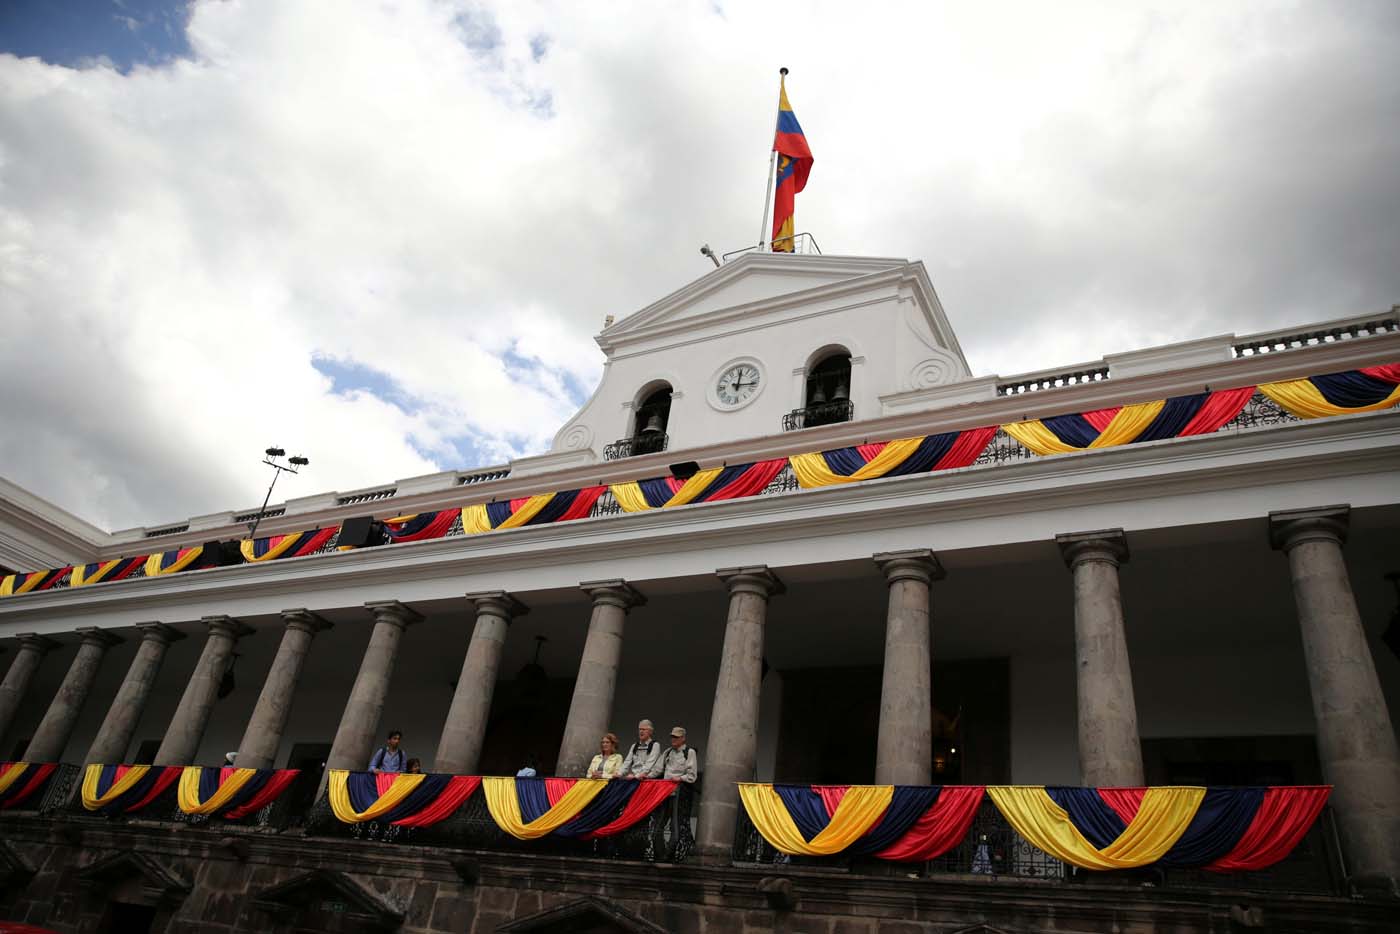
point(649, 428)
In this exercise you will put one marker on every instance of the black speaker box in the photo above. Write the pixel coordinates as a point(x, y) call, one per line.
point(360, 532)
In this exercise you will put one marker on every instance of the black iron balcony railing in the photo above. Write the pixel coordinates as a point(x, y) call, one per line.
point(651, 442)
point(820, 413)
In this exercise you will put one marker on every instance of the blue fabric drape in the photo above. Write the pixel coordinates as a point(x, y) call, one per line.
point(844, 461)
point(929, 452)
point(1352, 388)
point(1223, 817)
point(555, 508)
point(656, 490)
point(1098, 822)
point(498, 512)
point(133, 794)
point(722, 479)
point(412, 526)
point(1073, 430)
point(1176, 414)
point(363, 789)
point(601, 810)
point(210, 779)
point(806, 807)
point(909, 803)
point(534, 799)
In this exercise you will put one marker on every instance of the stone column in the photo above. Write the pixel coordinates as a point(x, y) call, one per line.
point(462, 734)
point(359, 724)
point(32, 649)
point(1355, 738)
point(591, 708)
point(733, 738)
point(904, 752)
point(181, 742)
point(110, 746)
point(51, 738)
point(258, 748)
point(1110, 752)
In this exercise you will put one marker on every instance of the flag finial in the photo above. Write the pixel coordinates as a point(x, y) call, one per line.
point(783, 72)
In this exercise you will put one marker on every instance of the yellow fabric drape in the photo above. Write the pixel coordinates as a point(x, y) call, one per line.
point(504, 805)
point(189, 790)
point(694, 485)
point(7, 585)
point(475, 520)
point(79, 577)
point(190, 555)
point(12, 775)
point(812, 470)
point(403, 785)
point(631, 498)
point(1301, 398)
point(1130, 422)
point(527, 511)
point(858, 811)
point(276, 551)
point(1160, 822)
point(13, 584)
point(92, 801)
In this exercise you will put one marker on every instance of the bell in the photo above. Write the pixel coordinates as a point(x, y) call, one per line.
point(841, 394)
point(653, 425)
point(818, 395)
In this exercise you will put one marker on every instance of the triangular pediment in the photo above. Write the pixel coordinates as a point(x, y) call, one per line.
point(324, 891)
point(584, 916)
point(745, 282)
point(141, 878)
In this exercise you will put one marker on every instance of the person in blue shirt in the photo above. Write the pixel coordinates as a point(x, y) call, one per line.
point(389, 757)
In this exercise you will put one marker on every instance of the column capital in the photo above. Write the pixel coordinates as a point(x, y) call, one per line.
point(305, 620)
point(102, 638)
point(497, 603)
point(1291, 527)
point(918, 564)
point(36, 643)
point(616, 593)
point(1107, 545)
point(226, 626)
point(755, 579)
point(158, 632)
point(394, 612)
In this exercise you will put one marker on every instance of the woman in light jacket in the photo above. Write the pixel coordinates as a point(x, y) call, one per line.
point(607, 763)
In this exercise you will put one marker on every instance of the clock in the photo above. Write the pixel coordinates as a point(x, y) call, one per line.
point(738, 384)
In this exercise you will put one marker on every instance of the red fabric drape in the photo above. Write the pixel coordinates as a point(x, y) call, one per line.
point(437, 528)
point(1390, 372)
point(649, 794)
point(752, 481)
point(556, 788)
point(966, 449)
point(1100, 418)
point(31, 784)
point(383, 781)
point(459, 789)
point(675, 483)
point(315, 541)
point(119, 772)
point(1124, 801)
point(831, 796)
point(167, 778)
point(1284, 816)
point(583, 503)
point(1219, 409)
point(869, 451)
point(266, 795)
point(941, 828)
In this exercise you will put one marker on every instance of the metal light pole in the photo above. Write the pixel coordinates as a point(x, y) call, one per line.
point(270, 460)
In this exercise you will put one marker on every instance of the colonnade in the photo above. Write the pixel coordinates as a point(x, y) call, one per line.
point(1356, 740)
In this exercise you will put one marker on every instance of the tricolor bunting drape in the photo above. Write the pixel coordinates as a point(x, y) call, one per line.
point(1220, 829)
point(420, 526)
point(714, 483)
point(1177, 417)
point(895, 822)
point(794, 165)
point(891, 459)
point(587, 808)
point(1365, 390)
point(12, 584)
point(125, 788)
point(230, 793)
point(171, 562)
point(530, 510)
point(102, 571)
point(292, 545)
point(417, 800)
point(21, 781)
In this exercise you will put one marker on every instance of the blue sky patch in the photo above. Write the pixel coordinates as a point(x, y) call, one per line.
point(81, 33)
point(349, 376)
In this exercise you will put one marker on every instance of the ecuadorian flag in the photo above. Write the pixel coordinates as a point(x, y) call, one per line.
point(794, 163)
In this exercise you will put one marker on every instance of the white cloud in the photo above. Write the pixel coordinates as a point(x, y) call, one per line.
point(439, 189)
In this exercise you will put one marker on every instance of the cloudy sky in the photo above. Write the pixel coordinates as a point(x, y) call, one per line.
point(382, 234)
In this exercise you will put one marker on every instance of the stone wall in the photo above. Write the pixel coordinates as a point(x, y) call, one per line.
point(65, 875)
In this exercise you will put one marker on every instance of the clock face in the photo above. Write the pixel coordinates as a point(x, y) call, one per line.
point(738, 384)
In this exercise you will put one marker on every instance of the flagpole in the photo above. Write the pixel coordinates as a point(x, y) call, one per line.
point(772, 168)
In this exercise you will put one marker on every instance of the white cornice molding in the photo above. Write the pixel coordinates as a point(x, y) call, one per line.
point(1343, 446)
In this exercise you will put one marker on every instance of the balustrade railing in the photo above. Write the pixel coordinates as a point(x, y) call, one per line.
point(650, 442)
point(1350, 329)
point(820, 413)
